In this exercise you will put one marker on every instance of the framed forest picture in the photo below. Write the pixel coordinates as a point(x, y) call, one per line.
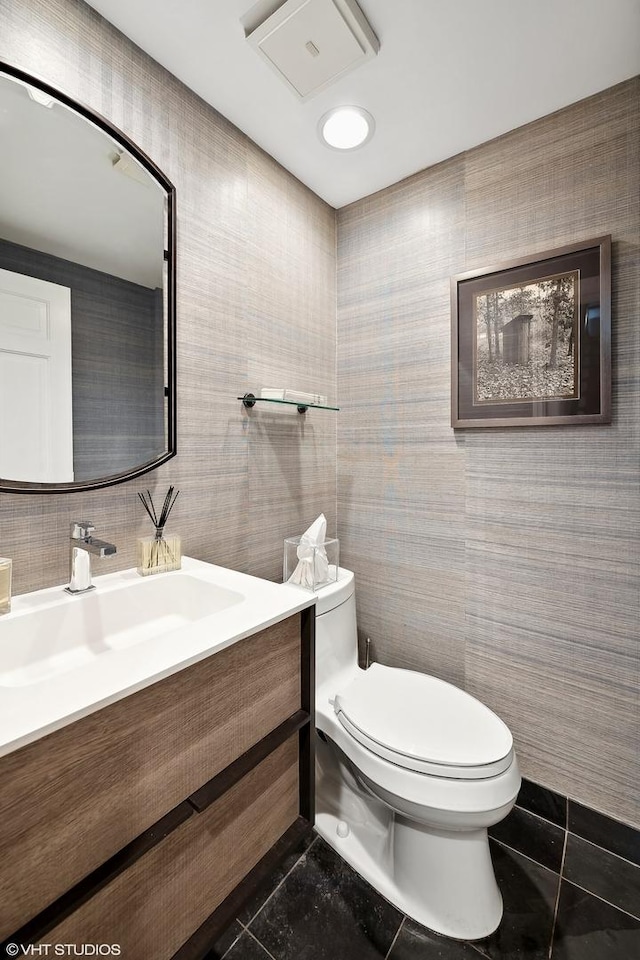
point(531, 340)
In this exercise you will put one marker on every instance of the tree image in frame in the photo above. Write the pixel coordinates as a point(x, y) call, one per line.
point(526, 344)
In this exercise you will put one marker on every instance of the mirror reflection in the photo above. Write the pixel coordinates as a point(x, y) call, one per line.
point(84, 297)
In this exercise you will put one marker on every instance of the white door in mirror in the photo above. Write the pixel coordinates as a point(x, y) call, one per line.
point(36, 428)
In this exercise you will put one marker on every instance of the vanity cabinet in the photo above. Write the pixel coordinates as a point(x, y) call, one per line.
point(153, 816)
point(152, 908)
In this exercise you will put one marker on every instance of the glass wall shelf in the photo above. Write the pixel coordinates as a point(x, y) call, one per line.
point(249, 400)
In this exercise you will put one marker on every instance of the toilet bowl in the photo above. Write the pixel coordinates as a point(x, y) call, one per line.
point(411, 771)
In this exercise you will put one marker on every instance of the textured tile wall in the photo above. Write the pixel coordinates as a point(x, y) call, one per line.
point(256, 306)
point(506, 561)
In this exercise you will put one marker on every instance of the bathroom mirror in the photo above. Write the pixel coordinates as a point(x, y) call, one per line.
point(87, 297)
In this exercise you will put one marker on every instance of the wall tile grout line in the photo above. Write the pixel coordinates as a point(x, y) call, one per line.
point(245, 926)
point(606, 850)
point(557, 903)
point(478, 949)
point(268, 953)
point(393, 942)
point(634, 916)
point(526, 857)
point(539, 816)
point(275, 889)
point(232, 945)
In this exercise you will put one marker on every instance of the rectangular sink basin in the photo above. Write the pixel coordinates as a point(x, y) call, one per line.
point(64, 657)
point(59, 636)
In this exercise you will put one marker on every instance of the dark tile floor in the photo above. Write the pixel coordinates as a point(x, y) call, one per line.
point(533, 836)
point(316, 907)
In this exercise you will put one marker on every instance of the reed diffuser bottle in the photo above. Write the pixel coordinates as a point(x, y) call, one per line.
point(161, 552)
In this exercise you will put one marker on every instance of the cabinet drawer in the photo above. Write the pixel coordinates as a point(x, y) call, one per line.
point(152, 908)
point(74, 798)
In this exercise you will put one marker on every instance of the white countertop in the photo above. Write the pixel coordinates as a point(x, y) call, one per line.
point(32, 710)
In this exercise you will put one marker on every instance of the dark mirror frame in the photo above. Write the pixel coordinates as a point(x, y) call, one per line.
point(18, 486)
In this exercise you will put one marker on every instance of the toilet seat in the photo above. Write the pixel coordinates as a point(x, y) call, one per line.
point(424, 724)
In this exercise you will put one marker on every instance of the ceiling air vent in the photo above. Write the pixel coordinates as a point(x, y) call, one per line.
point(310, 43)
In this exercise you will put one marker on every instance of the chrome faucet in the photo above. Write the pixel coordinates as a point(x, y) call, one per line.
point(82, 545)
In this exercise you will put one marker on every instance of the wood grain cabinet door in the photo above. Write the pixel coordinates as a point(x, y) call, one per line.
point(73, 799)
point(152, 908)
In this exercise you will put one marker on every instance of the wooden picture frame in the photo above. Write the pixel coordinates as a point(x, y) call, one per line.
point(531, 340)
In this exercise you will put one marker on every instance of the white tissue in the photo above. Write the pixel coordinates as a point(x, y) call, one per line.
point(313, 565)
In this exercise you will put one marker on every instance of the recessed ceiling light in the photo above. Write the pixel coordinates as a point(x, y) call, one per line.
point(345, 128)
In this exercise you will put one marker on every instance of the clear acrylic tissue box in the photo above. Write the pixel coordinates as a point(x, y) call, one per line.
point(316, 572)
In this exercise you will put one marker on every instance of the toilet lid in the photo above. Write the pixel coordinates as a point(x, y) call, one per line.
point(425, 724)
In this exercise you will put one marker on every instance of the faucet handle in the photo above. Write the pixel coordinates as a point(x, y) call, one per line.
point(81, 529)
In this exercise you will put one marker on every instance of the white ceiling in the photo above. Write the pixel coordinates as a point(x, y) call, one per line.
point(450, 74)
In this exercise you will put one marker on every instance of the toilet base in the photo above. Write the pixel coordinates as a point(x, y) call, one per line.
point(444, 880)
point(453, 874)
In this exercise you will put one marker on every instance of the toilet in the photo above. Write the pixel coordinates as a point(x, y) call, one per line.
point(411, 771)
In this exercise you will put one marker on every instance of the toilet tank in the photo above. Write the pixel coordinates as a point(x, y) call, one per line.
point(336, 633)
